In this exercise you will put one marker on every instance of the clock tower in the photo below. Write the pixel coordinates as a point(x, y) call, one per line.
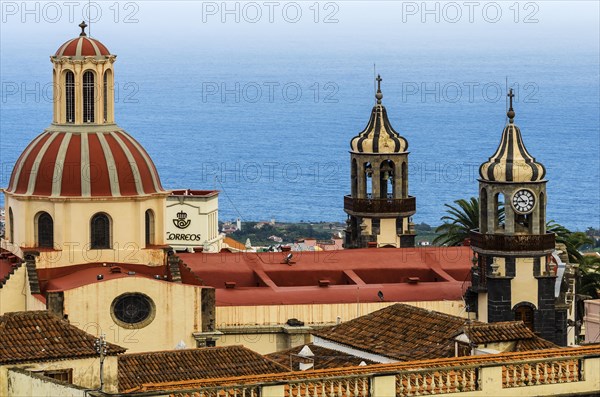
point(379, 207)
point(514, 273)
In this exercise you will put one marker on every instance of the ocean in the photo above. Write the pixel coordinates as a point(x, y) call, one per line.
point(272, 133)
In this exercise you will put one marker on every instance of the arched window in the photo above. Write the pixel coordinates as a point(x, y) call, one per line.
point(70, 97)
point(368, 179)
point(100, 231)
point(44, 230)
point(354, 182)
point(404, 180)
point(105, 104)
point(542, 213)
point(88, 97)
point(149, 227)
point(525, 313)
point(499, 212)
point(386, 175)
point(483, 211)
point(11, 226)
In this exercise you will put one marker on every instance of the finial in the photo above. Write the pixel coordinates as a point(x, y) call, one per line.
point(83, 25)
point(511, 112)
point(379, 95)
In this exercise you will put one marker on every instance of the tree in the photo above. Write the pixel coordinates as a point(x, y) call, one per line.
point(573, 241)
point(461, 218)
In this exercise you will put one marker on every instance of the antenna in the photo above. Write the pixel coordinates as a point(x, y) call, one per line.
point(90, 19)
point(374, 78)
point(506, 100)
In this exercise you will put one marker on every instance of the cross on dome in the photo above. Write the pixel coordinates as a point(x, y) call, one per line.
point(83, 25)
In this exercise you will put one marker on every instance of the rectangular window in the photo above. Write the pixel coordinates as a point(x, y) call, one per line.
point(63, 375)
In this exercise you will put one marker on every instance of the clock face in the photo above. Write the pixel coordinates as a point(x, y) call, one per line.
point(523, 201)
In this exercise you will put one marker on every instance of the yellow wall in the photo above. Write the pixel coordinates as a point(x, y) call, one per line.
point(524, 287)
point(387, 233)
point(86, 373)
point(13, 294)
point(232, 320)
point(318, 313)
point(178, 313)
point(72, 238)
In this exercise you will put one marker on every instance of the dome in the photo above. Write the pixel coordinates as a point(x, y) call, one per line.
point(62, 162)
point(82, 46)
point(379, 136)
point(512, 162)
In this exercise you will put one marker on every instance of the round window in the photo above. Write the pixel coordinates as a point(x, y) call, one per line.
point(133, 310)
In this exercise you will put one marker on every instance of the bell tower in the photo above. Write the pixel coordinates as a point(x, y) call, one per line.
point(513, 277)
point(379, 207)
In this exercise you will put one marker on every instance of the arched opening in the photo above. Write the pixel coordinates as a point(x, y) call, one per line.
point(369, 180)
point(404, 180)
point(525, 313)
point(542, 213)
point(149, 227)
point(100, 230)
point(353, 178)
point(499, 212)
point(11, 226)
point(44, 230)
point(106, 84)
point(386, 176)
point(88, 97)
point(483, 211)
point(69, 97)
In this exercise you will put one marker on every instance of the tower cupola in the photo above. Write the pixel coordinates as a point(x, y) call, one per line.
point(379, 136)
point(512, 162)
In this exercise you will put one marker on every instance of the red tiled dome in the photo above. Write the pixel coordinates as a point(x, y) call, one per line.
point(84, 164)
point(82, 46)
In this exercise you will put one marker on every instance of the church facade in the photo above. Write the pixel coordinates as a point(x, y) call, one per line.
point(86, 215)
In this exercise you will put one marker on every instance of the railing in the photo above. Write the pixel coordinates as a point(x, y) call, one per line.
point(541, 373)
point(515, 243)
point(347, 386)
point(220, 391)
point(437, 381)
point(385, 205)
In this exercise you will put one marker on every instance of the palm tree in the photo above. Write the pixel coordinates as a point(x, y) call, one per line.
point(573, 241)
point(589, 280)
point(461, 218)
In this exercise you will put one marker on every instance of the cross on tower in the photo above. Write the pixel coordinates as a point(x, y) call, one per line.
point(511, 112)
point(378, 95)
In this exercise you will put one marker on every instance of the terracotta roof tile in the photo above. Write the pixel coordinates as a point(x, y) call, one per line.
point(40, 336)
point(180, 365)
point(400, 332)
point(481, 333)
point(323, 358)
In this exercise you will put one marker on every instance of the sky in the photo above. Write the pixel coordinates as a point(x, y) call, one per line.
point(306, 26)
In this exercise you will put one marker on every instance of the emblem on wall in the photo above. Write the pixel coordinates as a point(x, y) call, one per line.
point(181, 222)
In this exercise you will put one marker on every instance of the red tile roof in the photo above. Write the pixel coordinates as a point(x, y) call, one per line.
point(399, 332)
point(266, 279)
point(8, 265)
point(40, 336)
point(323, 358)
point(179, 365)
point(482, 333)
point(402, 332)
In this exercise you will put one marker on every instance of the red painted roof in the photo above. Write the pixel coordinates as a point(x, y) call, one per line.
point(82, 47)
point(265, 279)
point(196, 193)
point(71, 164)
